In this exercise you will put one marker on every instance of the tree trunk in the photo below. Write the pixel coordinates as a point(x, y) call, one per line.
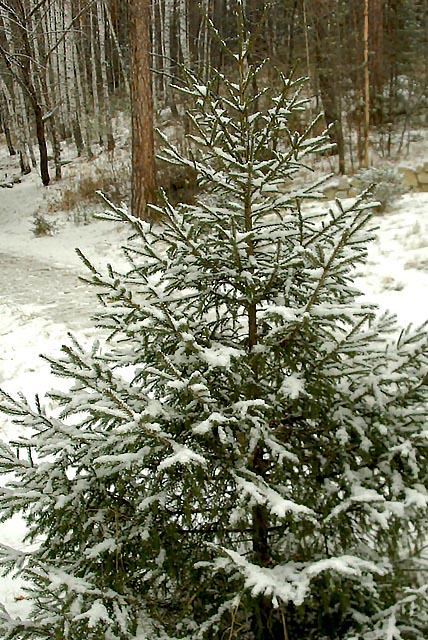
point(366, 84)
point(104, 77)
point(184, 33)
point(4, 119)
point(50, 86)
point(167, 52)
point(41, 140)
point(143, 157)
point(97, 111)
point(264, 621)
point(73, 77)
point(22, 150)
point(83, 92)
point(24, 74)
point(58, 76)
point(291, 37)
point(118, 48)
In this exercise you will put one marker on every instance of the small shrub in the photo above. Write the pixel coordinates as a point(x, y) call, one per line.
point(42, 226)
point(387, 185)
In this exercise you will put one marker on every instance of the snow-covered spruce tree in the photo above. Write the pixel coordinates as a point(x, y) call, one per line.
point(244, 458)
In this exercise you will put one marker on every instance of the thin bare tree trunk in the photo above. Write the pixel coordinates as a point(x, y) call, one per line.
point(71, 76)
point(24, 72)
point(167, 53)
point(97, 111)
point(57, 67)
point(206, 43)
point(22, 148)
point(52, 89)
point(64, 67)
point(22, 118)
point(307, 50)
point(83, 94)
point(5, 124)
point(104, 78)
point(118, 48)
point(327, 77)
point(143, 157)
point(45, 88)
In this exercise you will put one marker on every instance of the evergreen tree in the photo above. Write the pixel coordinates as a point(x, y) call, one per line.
point(245, 457)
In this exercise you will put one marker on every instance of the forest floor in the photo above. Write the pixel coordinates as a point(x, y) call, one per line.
point(41, 297)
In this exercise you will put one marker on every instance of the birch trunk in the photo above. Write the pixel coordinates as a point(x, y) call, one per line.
point(184, 33)
point(52, 95)
point(167, 57)
point(72, 77)
point(22, 117)
point(20, 137)
point(57, 69)
point(45, 88)
point(98, 123)
point(64, 69)
point(104, 78)
point(5, 123)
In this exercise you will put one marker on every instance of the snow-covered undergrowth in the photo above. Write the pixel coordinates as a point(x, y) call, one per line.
point(396, 274)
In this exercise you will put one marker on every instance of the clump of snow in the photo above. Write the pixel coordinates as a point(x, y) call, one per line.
point(181, 455)
point(219, 356)
point(292, 386)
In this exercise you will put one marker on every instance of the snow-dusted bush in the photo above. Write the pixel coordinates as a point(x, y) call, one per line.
point(246, 457)
point(42, 226)
point(387, 184)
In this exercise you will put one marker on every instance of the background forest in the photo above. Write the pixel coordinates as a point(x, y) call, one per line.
point(64, 69)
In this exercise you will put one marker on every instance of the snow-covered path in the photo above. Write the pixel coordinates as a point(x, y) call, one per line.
point(44, 291)
point(41, 298)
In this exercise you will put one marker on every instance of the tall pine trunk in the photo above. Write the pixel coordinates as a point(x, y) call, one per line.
point(143, 157)
point(366, 84)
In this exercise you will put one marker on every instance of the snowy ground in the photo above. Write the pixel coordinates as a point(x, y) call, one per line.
point(41, 298)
